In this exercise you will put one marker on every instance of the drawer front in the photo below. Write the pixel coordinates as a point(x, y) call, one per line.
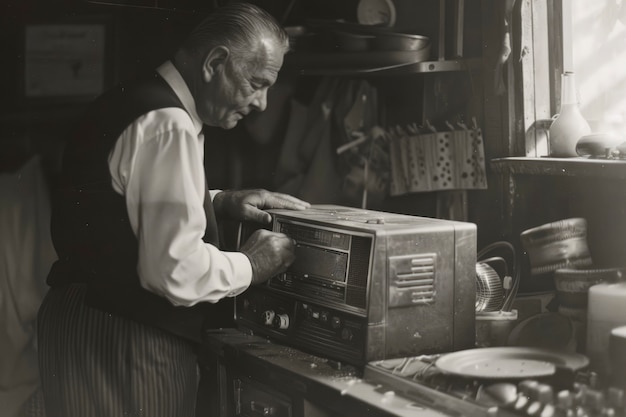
point(257, 400)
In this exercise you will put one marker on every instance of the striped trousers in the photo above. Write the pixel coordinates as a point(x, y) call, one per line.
point(94, 364)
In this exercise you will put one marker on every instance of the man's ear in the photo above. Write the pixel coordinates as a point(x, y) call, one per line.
point(214, 59)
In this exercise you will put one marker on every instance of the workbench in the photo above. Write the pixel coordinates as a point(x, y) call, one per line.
point(258, 377)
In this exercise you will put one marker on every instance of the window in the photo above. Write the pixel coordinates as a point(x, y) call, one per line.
point(597, 44)
point(582, 36)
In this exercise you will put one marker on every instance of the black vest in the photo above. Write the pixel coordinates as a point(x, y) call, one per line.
point(91, 228)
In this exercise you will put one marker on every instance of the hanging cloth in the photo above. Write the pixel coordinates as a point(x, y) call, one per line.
point(27, 254)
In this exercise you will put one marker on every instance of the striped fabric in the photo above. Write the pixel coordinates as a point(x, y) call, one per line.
point(96, 364)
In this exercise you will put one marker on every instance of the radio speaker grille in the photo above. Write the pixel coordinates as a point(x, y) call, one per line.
point(356, 293)
point(412, 279)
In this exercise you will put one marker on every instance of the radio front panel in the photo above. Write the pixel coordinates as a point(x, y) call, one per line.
point(312, 327)
point(331, 266)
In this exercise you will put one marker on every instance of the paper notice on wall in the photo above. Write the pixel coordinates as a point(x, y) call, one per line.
point(64, 60)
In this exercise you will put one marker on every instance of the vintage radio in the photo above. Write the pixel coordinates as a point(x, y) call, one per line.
point(368, 285)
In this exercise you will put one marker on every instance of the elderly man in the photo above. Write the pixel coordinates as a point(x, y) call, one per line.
point(139, 273)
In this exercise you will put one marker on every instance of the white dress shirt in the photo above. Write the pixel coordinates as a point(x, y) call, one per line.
point(157, 164)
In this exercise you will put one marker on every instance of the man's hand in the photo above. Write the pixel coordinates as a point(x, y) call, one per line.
point(270, 253)
point(248, 205)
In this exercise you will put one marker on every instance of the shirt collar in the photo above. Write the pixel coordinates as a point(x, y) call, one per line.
point(171, 75)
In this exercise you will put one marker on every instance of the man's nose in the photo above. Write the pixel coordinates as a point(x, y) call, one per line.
point(260, 100)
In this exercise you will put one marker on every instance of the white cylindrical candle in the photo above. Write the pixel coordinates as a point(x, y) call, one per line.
point(606, 310)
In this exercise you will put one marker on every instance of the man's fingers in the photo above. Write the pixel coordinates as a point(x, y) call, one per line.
point(279, 200)
point(252, 213)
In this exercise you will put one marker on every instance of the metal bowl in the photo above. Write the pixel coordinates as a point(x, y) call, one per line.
point(393, 41)
point(349, 41)
point(572, 284)
point(556, 245)
point(597, 144)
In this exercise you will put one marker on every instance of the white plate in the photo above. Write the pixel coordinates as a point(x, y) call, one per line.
point(509, 362)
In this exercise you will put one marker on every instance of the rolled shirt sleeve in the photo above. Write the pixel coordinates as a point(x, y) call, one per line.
point(157, 165)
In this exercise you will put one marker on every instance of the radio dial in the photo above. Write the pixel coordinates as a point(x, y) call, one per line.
point(281, 321)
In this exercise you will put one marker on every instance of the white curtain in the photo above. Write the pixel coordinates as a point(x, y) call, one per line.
point(26, 253)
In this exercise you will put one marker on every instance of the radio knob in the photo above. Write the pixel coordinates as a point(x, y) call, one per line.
point(281, 321)
point(268, 317)
point(324, 316)
point(347, 335)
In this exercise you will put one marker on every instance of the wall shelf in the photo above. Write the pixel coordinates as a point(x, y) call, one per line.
point(564, 167)
point(334, 64)
point(393, 62)
point(544, 190)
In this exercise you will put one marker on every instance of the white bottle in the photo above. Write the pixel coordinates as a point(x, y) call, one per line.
point(569, 125)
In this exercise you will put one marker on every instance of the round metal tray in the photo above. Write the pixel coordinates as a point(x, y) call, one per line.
point(509, 362)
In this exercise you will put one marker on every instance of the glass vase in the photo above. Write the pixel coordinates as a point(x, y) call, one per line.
point(569, 125)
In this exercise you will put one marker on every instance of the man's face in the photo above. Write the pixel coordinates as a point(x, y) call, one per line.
point(240, 87)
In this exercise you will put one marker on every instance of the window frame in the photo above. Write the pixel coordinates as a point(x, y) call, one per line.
point(540, 55)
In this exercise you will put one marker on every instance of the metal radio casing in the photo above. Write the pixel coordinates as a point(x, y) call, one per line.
point(367, 285)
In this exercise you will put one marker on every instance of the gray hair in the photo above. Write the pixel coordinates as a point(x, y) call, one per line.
point(238, 26)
